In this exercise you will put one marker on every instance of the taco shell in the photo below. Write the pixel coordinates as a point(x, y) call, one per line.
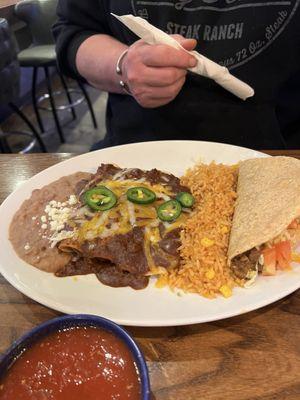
point(268, 200)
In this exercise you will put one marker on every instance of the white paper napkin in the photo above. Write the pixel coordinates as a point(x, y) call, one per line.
point(205, 67)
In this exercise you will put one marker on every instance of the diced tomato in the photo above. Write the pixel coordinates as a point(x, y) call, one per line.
point(277, 257)
point(283, 254)
point(269, 261)
point(293, 224)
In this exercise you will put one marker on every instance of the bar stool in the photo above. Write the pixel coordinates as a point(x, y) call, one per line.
point(39, 15)
point(9, 91)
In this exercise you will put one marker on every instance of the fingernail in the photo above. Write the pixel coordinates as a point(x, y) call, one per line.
point(193, 62)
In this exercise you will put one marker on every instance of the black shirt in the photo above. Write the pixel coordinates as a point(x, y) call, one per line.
point(258, 41)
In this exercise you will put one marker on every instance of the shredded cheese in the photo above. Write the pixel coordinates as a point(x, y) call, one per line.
point(147, 248)
point(131, 213)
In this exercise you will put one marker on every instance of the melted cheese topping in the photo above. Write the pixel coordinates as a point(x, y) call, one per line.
point(126, 215)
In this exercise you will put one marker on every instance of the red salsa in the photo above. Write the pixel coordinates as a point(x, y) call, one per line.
point(80, 363)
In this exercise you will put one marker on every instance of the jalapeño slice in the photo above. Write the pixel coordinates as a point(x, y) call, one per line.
point(186, 199)
point(169, 211)
point(100, 198)
point(141, 195)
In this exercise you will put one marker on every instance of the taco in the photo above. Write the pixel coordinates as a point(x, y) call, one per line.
point(266, 223)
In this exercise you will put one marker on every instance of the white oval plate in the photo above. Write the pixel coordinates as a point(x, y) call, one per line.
point(152, 306)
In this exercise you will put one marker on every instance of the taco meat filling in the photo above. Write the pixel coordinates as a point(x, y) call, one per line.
point(245, 264)
point(270, 257)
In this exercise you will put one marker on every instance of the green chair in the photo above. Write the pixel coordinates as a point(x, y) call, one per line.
point(39, 15)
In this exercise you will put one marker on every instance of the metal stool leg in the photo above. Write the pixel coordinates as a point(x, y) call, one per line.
point(89, 103)
point(34, 99)
point(52, 102)
point(66, 89)
point(30, 126)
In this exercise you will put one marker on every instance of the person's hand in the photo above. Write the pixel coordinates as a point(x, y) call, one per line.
point(155, 74)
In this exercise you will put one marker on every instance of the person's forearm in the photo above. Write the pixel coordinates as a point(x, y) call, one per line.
point(96, 61)
point(152, 74)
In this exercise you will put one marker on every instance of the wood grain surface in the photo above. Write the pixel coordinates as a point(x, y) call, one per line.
point(249, 357)
point(7, 3)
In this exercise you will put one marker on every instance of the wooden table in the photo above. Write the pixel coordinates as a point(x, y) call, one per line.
point(7, 9)
point(249, 357)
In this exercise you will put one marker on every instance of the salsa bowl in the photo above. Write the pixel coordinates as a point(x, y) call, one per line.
point(68, 323)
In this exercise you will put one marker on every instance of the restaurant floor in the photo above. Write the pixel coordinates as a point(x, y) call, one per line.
point(79, 133)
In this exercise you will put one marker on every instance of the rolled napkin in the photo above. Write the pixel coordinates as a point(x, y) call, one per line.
point(205, 67)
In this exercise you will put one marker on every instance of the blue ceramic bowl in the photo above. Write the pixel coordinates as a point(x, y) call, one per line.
point(78, 320)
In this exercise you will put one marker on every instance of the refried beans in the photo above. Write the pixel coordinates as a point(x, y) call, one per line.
point(29, 235)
